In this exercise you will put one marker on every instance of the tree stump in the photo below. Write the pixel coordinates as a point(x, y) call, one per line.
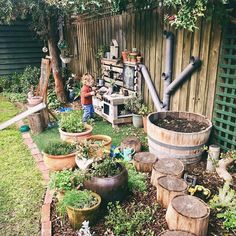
point(144, 161)
point(175, 233)
point(188, 213)
point(131, 142)
point(168, 187)
point(36, 123)
point(166, 166)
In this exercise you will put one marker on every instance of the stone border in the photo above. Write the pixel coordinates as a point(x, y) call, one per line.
point(46, 224)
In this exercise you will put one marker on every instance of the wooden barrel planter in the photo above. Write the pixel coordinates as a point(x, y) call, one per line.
point(166, 166)
point(76, 137)
point(144, 161)
point(165, 143)
point(175, 233)
point(111, 189)
point(168, 187)
point(188, 213)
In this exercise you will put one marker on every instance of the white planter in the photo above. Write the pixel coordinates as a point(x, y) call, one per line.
point(65, 60)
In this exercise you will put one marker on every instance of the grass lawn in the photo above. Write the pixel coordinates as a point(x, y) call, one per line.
point(100, 127)
point(21, 184)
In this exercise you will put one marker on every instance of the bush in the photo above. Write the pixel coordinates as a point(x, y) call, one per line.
point(53, 102)
point(59, 148)
point(130, 221)
point(71, 122)
point(65, 180)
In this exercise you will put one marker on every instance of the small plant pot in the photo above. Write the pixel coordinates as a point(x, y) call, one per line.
point(76, 137)
point(65, 60)
point(78, 216)
point(137, 121)
point(60, 162)
point(33, 101)
point(111, 189)
point(97, 151)
point(139, 59)
point(125, 55)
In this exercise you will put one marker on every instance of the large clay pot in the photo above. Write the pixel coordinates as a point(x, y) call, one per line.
point(60, 162)
point(111, 189)
point(97, 151)
point(76, 137)
point(78, 216)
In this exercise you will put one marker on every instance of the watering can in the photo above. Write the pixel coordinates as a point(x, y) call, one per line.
point(126, 154)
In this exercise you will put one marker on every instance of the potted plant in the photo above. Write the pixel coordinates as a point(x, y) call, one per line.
point(65, 180)
point(125, 54)
point(144, 111)
point(65, 53)
point(108, 178)
point(80, 206)
point(134, 105)
point(71, 127)
point(59, 155)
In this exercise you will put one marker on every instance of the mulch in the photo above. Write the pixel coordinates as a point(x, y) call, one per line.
point(208, 180)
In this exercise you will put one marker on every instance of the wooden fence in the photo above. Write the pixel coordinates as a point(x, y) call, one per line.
point(144, 31)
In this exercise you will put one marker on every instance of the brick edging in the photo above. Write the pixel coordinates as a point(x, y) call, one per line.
point(46, 224)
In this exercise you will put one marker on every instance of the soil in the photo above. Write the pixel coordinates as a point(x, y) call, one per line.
point(208, 180)
point(180, 125)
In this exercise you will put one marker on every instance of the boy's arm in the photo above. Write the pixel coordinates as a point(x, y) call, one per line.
point(87, 93)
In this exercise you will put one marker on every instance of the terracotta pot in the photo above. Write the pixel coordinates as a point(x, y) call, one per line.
point(111, 189)
point(139, 59)
point(145, 124)
point(60, 162)
point(97, 151)
point(76, 137)
point(78, 216)
point(125, 55)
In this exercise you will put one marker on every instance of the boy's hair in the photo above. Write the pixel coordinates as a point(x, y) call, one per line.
point(87, 78)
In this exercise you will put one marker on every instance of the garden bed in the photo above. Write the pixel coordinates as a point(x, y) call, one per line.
point(158, 223)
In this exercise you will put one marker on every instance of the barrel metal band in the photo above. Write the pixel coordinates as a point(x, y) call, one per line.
point(176, 147)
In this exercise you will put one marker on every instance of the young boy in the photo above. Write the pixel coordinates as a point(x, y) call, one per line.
point(86, 96)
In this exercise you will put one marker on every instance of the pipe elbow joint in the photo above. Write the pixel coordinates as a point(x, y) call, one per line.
point(195, 61)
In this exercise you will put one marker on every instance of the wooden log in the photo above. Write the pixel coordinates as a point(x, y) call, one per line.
point(188, 213)
point(175, 233)
point(131, 142)
point(36, 123)
point(221, 169)
point(168, 187)
point(166, 166)
point(144, 161)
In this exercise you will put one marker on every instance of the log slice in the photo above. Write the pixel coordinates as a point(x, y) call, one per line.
point(144, 161)
point(188, 213)
point(166, 166)
point(168, 187)
point(175, 233)
point(131, 142)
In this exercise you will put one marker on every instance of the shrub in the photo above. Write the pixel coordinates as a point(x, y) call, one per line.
point(77, 199)
point(72, 122)
point(59, 148)
point(53, 102)
point(137, 182)
point(65, 180)
point(129, 221)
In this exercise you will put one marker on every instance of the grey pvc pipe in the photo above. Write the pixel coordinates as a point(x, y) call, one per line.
point(156, 100)
point(167, 75)
point(194, 64)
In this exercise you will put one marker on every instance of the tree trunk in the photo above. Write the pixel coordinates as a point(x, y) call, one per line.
point(59, 88)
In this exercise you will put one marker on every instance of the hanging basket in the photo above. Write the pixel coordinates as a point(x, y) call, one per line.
point(65, 60)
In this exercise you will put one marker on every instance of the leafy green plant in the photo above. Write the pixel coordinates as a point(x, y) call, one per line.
point(15, 97)
point(144, 110)
point(137, 182)
point(65, 180)
point(106, 168)
point(133, 104)
point(72, 122)
point(76, 199)
point(229, 217)
point(129, 221)
point(59, 148)
point(53, 102)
